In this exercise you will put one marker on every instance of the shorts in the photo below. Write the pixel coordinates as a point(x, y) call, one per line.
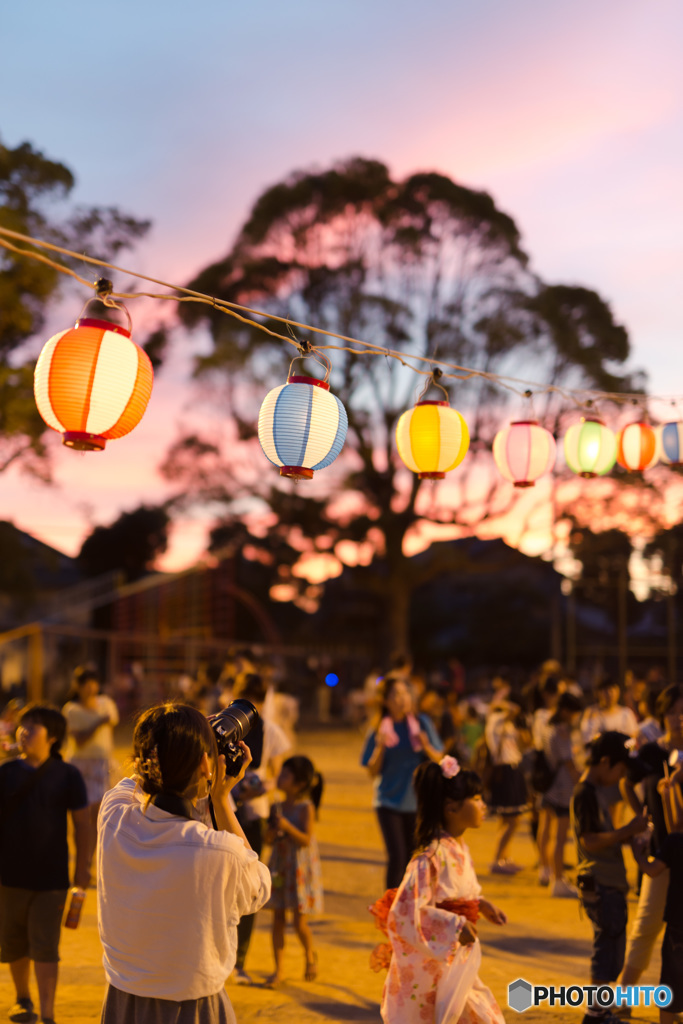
point(606, 909)
point(672, 966)
point(30, 924)
point(559, 812)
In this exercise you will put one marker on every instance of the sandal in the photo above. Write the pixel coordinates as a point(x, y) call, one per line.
point(272, 981)
point(311, 972)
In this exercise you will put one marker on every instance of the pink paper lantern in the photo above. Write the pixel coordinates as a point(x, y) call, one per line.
point(523, 452)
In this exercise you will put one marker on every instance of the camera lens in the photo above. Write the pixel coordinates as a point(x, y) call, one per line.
point(233, 724)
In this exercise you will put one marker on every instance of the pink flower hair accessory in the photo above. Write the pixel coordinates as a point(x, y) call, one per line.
point(449, 766)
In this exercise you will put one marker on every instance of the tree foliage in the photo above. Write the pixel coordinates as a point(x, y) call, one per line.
point(421, 265)
point(34, 194)
point(130, 544)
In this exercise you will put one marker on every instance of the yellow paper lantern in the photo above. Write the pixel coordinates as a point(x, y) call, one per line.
point(432, 439)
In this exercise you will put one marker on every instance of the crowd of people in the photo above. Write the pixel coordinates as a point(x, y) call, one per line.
point(602, 769)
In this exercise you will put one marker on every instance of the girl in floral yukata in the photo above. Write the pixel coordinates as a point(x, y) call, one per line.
point(433, 954)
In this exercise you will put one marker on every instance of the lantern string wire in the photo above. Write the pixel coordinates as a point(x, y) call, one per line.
point(582, 397)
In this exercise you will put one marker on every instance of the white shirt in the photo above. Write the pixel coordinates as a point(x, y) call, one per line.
point(595, 721)
point(99, 746)
point(276, 742)
point(170, 893)
point(501, 739)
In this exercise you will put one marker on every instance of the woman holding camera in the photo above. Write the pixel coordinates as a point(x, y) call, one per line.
point(170, 889)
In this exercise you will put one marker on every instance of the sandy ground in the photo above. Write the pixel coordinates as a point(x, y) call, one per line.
point(545, 942)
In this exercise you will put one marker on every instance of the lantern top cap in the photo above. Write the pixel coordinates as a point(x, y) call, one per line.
point(524, 423)
point(430, 401)
point(592, 419)
point(102, 325)
point(314, 381)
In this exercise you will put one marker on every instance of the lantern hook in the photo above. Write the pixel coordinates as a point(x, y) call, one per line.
point(433, 380)
point(103, 289)
point(318, 357)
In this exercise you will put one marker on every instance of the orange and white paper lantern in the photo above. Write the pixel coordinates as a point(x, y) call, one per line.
point(523, 452)
point(637, 447)
point(92, 383)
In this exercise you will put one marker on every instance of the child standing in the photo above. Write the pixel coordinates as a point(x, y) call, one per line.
point(294, 862)
point(601, 872)
point(434, 950)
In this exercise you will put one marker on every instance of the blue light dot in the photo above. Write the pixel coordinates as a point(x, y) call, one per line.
point(331, 679)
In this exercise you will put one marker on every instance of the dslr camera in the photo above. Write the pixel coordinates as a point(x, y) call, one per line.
point(230, 726)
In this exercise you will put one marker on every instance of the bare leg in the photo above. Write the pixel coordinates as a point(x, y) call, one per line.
point(46, 979)
point(278, 946)
point(509, 824)
point(666, 1018)
point(560, 840)
point(306, 938)
point(20, 971)
point(543, 840)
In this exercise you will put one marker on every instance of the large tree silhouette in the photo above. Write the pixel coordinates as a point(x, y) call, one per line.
point(421, 265)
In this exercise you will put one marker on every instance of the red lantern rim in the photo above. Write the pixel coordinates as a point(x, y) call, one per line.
point(436, 475)
point(81, 441)
point(102, 325)
point(524, 483)
point(524, 423)
point(309, 380)
point(430, 401)
point(296, 472)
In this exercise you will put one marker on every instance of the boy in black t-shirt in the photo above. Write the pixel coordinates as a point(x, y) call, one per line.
point(601, 871)
point(37, 790)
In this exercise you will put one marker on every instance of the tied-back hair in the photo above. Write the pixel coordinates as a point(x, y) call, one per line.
point(433, 789)
point(168, 745)
point(309, 780)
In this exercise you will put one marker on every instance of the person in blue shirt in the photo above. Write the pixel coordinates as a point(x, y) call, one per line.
point(397, 744)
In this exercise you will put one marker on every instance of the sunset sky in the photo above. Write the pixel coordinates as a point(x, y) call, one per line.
point(570, 115)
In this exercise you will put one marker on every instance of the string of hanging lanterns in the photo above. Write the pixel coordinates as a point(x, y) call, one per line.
point(93, 383)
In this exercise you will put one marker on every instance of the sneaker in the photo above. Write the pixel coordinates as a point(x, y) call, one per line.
point(22, 1012)
point(544, 876)
point(240, 977)
point(504, 867)
point(564, 889)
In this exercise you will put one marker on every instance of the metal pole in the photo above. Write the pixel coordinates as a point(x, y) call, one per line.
point(622, 623)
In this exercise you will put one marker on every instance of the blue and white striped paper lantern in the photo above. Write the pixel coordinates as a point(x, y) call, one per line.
point(302, 427)
point(670, 443)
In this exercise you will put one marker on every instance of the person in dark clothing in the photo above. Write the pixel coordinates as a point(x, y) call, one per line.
point(601, 871)
point(37, 792)
point(669, 860)
point(646, 772)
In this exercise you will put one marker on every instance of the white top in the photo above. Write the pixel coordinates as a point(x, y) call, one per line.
point(501, 739)
point(538, 726)
point(276, 742)
point(595, 721)
point(78, 718)
point(170, 893)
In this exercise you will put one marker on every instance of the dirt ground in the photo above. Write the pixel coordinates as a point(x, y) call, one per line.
point(545, 942)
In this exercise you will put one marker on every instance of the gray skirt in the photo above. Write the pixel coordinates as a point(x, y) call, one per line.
point(125, 1008)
